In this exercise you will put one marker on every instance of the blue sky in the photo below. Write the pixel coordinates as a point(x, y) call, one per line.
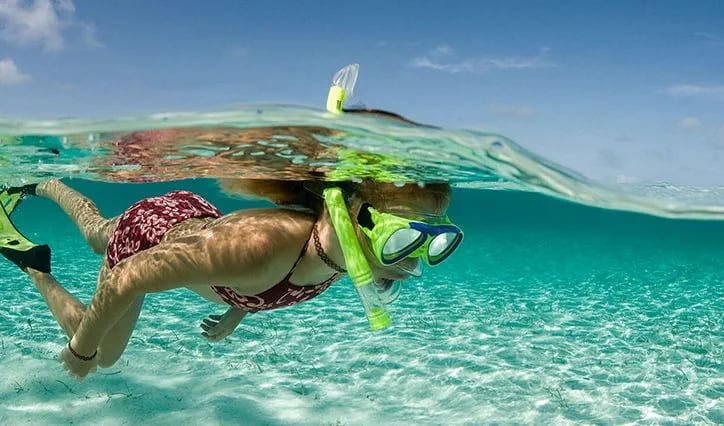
point(620, 91)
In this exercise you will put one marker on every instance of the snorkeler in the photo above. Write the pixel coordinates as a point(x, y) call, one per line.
point(252, 260)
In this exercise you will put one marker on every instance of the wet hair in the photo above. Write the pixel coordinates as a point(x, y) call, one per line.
point(308, 194)
point(379, 113)
point(280, 192)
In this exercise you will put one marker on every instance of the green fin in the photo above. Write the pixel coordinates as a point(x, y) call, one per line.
point(14, 245)
point(10, 201)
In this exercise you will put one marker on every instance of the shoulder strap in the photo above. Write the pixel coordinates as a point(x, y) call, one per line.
point(296, 262)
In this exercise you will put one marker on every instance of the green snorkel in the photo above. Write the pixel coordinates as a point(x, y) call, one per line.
point(392, 238)
point(359, 270)
point(357, 266)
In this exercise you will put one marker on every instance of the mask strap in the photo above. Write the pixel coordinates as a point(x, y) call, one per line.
point(364, 217)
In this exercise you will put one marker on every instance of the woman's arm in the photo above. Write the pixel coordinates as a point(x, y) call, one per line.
point(217, 327)
point(163, 267)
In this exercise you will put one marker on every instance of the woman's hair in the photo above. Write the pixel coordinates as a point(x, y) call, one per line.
point(380, 114)
point(308, 194)
point(280, 192)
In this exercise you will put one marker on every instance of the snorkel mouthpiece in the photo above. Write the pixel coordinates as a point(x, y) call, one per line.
point(357, 266)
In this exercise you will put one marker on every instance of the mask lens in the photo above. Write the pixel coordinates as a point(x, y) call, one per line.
point(400, 244)
point(442, 246)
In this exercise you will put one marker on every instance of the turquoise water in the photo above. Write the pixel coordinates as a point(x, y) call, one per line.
point(569, 302)
point(550, 313)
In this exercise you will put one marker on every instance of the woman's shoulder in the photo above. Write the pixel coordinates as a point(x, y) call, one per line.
point(279, 223)
point(275, 221)
point(268, 214)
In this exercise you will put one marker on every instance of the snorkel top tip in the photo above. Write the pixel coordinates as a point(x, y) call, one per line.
point(342, 87)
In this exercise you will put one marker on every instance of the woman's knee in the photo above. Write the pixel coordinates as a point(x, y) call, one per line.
point(98, 243)
point(99, 235)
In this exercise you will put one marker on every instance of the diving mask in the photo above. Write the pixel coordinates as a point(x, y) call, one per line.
point(394, 238)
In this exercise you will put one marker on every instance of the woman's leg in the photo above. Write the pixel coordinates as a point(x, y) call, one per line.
point(95, 228)
point(66, 309)
point(69, 311)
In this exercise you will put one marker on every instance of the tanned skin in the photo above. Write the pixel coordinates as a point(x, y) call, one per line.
point(249, 250)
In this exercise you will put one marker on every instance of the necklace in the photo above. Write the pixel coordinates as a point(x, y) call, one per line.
point(322, 255)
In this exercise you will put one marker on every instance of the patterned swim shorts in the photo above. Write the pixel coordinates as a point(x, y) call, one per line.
point(144, 224)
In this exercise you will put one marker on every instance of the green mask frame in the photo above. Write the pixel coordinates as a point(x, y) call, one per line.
point(394, 238)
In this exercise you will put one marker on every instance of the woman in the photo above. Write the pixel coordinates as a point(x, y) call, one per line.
point(252, 260)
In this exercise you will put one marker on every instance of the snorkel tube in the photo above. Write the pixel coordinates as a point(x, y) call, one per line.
point(359, 270)
point(357, 266)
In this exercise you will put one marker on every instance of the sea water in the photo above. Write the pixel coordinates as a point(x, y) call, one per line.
point(554, 310)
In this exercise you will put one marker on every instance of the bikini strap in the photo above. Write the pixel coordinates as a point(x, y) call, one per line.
point(296, 262)
point(339, 270)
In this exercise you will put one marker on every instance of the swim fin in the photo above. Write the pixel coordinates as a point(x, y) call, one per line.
point(11, 197)
point(14, 245)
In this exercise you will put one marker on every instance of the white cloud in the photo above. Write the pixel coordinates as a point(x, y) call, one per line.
point(694, 91)
point(512, 111)
point(42, 23)
point(10, 74)
point(689, 124)
point(443, 58)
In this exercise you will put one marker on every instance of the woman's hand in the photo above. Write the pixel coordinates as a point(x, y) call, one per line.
point(76, 367)
point(216, 327)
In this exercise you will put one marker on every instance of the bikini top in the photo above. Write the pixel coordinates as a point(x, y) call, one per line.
point(283, 294)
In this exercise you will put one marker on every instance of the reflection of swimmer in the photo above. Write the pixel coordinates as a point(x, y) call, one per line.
point(292, 152)
point(178, 153)
point(252, 260)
